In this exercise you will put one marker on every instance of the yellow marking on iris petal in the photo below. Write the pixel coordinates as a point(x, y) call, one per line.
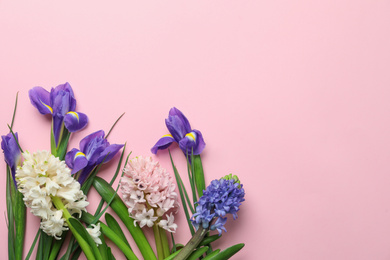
point(74, 114)
point(79, 154)
point(51, 110)
point(191, 136)
point(168, 135)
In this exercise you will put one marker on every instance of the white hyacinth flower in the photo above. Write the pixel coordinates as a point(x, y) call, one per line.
point(95, 233)
point(168, 224)
point(42, 177)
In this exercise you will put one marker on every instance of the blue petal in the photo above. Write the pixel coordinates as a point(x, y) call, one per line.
point(86, 140)
point(40, 98)
point(176, 112)
point(192, 141)
point(109, 152)
point(64, 90)
point(12, 155)
point(163, 143)
point(76, 160)
point(177, 124)
point(75, 121)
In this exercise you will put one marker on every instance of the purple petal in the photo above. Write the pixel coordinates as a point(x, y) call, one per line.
point(109, 153)
point(86, 140)
point(176, 127)
point(40, 98)
point(58, 119)
point(75, 121)
point(193, 141)
point(12, 155)
point(76, 160)
point(163, 143)
point(64, 90)
point(176, 112)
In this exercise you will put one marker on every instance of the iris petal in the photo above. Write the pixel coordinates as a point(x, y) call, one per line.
point(176, 112)
point(75, 121)
point(193, 141)
point(109, 152)
point(163, 143)
point(76, 160)
point(60, 90)
point(86, 140)
point(12, 155)
point(40, 98)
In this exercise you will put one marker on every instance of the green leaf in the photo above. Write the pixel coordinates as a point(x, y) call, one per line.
point(33, 245)
point(112, 127)
point(198, 253)
point(85, 241)
point(172, 255)
point(10, 215)
point(106, 192)
point(103, 248)
point(213, 253)
point(209, 239)
point(108, 232)
point(16, 105)
point(182, 195)
point(199, 174)
point(19, 210)
point(63, 145)
point(225, 254)
point(191, 178)
point(114, 225)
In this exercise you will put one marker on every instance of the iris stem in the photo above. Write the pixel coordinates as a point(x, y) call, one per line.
point(192, 244)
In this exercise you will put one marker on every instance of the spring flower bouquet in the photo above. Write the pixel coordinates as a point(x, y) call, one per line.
point(53, 186)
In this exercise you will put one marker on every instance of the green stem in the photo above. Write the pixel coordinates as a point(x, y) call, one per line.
point(83, 244)
point(159, 246)
point(192, 244)
point(164, 241)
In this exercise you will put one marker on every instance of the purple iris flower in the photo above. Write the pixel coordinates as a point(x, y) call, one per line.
point(61, 104)
point(188, 139)
point(94, 148)
point(12, 155)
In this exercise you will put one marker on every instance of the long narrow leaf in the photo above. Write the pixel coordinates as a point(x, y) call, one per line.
point(32, 245)
point(112, 127)
point(106, 191)
point(10, 216)
point(226, 254)
point(112, 235)
point(182, 196)
point(114, 225)
point(198, 253)
point(84, 239)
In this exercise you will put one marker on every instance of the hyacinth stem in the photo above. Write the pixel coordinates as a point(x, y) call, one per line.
point(164, 241)
point(83, 244)
point(192, 244)
point(159, 246)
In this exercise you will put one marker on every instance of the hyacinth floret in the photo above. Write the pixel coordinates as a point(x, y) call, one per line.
point(220, 198)
point(42, 177)
point(149, 193)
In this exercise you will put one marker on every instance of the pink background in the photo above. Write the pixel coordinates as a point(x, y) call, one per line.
point(293, 96)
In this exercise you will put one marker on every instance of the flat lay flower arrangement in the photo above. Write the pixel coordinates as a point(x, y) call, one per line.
point(53, 186)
